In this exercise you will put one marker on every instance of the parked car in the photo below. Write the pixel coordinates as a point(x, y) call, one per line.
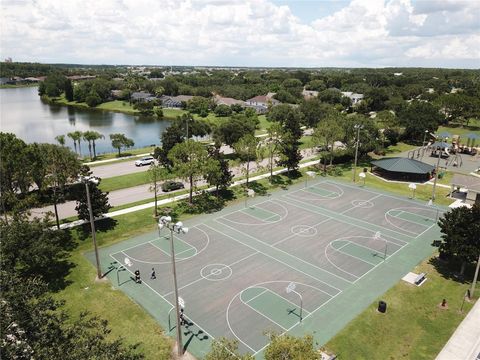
point(172, 185)
point(147, 160)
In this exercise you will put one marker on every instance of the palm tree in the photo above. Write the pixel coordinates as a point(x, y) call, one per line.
point(60, 139)
point(96, 136)
point(74, 136)
point(88, 136)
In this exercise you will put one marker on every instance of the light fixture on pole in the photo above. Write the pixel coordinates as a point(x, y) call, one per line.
point(166, 222)
point(357, 127)
point(87, 180)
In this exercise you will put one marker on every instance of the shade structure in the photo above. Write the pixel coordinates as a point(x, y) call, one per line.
point(404, 165)
point(472, 136)
point(441, 144)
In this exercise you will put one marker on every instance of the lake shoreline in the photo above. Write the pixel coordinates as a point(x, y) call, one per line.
point(33, 119)
point(118, 106)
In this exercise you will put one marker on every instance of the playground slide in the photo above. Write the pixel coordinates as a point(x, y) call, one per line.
point(446, 151)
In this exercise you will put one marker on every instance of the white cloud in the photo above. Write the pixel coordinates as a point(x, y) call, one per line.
point(240, 32)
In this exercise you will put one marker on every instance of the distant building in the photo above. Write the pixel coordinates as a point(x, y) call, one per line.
point(262, 102)
point(142, 96)
point(354, 97)
point(176, 102)
point(308, 94)
point(220, 100)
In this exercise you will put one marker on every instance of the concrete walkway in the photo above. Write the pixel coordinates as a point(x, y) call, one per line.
point(465, 341)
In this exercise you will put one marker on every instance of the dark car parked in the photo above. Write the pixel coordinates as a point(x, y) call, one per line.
point(172, 185)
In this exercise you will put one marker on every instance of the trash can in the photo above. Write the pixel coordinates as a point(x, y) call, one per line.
point(382, 306)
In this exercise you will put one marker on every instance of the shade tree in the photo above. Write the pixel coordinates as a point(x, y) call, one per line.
point(460, 229)
point(189, 159)
point(120, 141)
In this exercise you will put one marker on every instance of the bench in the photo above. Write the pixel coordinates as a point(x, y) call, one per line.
point(419, 279)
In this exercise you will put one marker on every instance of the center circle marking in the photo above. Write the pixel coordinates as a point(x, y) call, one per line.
point(216, 272)
point(303, 230)
point(364, 204)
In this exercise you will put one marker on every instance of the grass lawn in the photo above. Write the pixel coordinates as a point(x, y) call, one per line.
point(413, 327)
point(118, 105)
point(393, 150)
point(124, 181)
point(127, 152)
point(169, 113)
point(126, 319)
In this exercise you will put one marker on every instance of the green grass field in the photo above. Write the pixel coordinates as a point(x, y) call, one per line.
point(119, 106)
point(126, 318)
point(413, 327)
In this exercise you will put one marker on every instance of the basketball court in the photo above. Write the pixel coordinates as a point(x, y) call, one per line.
point(306, 260)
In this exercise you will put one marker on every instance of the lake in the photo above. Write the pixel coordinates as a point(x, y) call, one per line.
point(24, 114)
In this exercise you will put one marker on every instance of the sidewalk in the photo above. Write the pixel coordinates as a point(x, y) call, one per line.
point(465, 341)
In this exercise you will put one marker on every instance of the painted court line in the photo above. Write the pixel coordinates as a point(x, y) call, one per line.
point(206, 276)
point(256, 296)
point(410, 221)
point(159, 248)
point(263, 222)
point(425, 230)
point(349, 217)
point(354, 207)
point(274, 258)
point(356, 257)
point(274, 293)
point(339, 268)
point(168, 302)
point(286, 253)
point(307, 316)
point(300, 232)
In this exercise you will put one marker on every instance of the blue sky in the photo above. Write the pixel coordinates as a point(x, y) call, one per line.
point(310, 10)
point(335, 33)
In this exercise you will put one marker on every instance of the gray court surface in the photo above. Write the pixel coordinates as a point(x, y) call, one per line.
point(342, 245)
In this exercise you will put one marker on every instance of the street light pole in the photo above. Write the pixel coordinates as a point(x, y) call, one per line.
point(358, 127)
point(439, 154)
point(423, 143)
point(165, 221)
point(86, 181)
point(475, 276)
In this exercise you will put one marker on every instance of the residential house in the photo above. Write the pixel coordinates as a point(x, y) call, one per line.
point(220, 100)
point(262, 102)
point(177, 102)
point(354, 97)
point(308, 94)
point(142, 96)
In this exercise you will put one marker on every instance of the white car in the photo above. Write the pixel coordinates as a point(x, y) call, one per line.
point(147, 160)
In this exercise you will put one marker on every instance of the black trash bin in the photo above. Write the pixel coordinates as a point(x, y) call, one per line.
point(382, 306)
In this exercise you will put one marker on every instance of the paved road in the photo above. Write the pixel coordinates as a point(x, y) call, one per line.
point(137, 193)
point(128, 167)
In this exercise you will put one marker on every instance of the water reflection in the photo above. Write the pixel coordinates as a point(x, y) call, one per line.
point(24, 114)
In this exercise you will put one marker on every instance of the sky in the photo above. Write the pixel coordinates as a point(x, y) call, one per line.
point(263, 33)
